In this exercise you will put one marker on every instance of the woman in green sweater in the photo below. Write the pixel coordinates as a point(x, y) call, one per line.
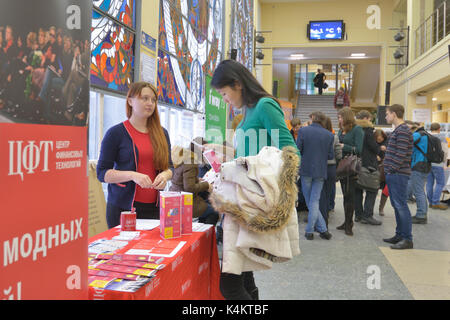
point(351, 137)
point(263, 125)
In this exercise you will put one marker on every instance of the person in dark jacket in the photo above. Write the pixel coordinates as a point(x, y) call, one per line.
point(316, 147)
point(351, 137)
point(135, 158)
point(369, 154)
point(185, 178)
point(382, 140)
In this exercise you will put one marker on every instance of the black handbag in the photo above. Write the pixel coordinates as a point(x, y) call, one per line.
point(368, 179)
point(349, 166)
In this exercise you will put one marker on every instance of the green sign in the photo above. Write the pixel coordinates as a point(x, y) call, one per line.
point(216, 115)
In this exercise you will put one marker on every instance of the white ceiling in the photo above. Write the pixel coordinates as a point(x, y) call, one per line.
point(282, 55)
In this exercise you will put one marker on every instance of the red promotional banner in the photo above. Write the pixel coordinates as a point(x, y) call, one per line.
point(44, 220)
point(44, 107)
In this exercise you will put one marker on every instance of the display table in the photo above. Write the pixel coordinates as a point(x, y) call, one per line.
point(193, 273)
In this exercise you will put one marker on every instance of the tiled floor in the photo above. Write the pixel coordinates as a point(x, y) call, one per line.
point(363, 266)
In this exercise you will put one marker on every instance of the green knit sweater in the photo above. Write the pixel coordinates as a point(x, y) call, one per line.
point(263, 125)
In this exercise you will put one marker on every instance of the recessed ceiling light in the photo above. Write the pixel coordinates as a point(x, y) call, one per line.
point(448, 90)
point(297, 55)
point(358, 54)
point(434, 99)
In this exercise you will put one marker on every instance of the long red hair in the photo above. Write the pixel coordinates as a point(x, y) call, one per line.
point(155, 130)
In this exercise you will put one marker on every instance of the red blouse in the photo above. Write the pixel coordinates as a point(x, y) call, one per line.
point(145, 163)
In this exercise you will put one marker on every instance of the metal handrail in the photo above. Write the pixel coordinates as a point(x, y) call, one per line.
point(433, 29)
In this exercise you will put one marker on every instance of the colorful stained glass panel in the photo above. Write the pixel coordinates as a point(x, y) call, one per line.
point(112, 51)
point(122, 10)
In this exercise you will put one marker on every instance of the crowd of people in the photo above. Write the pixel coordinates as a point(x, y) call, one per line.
point(44, 76)
point(255, 214)
point(402, 164)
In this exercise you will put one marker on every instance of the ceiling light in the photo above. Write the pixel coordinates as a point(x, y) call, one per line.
point(358, 54)
point(434, 99)
point(448, 90)
point(297, 55)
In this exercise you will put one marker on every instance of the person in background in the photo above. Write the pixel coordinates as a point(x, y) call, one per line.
point(319, 80)
point(351, 138)
point(397, 169)
point(296, 125)
point(262, 114)
point(370, 150)
point(341, 99)
point(437, 173)
point(316, 147)
point(185, 178)
point(329, 185)
point(420, 168)
point(382, 140)
point(135, 158)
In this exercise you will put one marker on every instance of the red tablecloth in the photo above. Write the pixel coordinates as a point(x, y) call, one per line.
point(193, 273)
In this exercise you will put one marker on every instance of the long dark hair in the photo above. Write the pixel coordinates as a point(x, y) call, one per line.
point(230, 73)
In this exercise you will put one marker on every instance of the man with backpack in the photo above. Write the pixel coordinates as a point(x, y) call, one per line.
point(425, 151)
point(319, 81)
point(437, 172)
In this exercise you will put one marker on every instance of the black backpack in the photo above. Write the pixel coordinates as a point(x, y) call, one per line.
point(434, 153)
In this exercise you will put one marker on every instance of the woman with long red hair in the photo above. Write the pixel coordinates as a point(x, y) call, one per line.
point(134, 158)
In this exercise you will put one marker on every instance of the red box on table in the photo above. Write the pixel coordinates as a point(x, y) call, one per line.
point(170, 215)
point(186, 212)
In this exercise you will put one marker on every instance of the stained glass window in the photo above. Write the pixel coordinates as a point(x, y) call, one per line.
point(112, 44)
point(190, 47)
point(241, 30)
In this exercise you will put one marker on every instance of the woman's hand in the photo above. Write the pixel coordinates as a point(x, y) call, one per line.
point(142, 180)
point(161, 181)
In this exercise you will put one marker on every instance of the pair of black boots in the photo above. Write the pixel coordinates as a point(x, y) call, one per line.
point(347, 226)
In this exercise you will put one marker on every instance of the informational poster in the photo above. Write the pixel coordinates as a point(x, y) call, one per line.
point(421, 115)
point(97, 203)
point(216, 115)
point(148, 58)
point(44, 107)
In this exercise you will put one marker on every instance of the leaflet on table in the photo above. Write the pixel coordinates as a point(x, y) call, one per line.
point(106, 246)
point(124, 257)
point(147, 224)
point(200, 227)
point(137, 264)
point(124, 269)
point(127, 286)
point(127, 235)
point(100, 282)
point(162, 248)
point(111, 274)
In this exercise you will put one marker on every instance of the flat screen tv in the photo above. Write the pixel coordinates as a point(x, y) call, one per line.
point(326, 30)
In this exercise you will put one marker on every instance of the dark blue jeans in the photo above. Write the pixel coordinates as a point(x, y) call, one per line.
point(398, 185)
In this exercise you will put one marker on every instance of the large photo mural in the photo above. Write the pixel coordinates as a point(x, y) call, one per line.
point(190, 47)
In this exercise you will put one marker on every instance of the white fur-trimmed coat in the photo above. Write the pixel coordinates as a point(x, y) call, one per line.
point(257, 195)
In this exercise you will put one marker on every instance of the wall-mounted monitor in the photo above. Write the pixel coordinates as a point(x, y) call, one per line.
point(326, 30)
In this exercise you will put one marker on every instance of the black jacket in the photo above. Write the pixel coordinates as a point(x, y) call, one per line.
point(370, 148)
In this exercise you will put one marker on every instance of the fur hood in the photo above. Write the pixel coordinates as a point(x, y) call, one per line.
point(364, 123)
point(259, 191)
point(183, 156)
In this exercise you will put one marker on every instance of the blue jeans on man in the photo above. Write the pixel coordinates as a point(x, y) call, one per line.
point(397, 185)
point(417, 185)
point(312, 188)
point(434, 191)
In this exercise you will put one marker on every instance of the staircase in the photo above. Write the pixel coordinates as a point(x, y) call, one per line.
point(309, 104)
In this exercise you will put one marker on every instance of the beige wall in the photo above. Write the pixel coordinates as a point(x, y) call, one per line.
point(288, 23)
point(150, 22)
point(428, 73)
